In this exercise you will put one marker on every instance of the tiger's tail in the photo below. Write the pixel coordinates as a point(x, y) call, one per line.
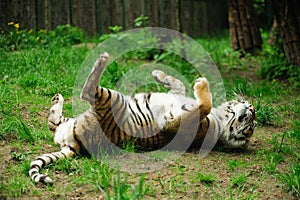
point(44, 160)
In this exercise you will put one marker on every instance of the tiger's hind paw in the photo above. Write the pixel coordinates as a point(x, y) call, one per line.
point(102, 60)
point(58, 98)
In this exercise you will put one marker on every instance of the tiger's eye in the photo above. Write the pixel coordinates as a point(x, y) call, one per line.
point(242, 117)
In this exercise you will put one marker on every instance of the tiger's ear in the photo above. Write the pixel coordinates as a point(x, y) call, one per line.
point(240, 98)
point(231, 103)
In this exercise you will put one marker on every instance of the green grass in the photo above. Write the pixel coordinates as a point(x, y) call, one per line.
point(206, 178)
point(29, 78)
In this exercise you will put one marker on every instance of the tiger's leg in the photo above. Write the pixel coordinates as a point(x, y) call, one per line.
point(175, 85)
point(55, 117)
point(46, 159)
point(91, 84)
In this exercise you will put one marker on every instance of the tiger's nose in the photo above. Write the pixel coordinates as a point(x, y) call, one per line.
point(251, 108)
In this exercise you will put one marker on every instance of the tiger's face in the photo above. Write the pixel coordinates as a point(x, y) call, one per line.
point(238, 124)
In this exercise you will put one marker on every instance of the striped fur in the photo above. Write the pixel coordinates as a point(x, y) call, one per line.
point(148, 120)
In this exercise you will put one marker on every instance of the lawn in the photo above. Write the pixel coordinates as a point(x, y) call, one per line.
point(268, 169)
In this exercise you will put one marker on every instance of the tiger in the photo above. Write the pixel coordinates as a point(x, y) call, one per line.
point(149, 120)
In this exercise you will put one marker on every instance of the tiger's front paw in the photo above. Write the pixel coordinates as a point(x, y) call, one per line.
point(168, 81)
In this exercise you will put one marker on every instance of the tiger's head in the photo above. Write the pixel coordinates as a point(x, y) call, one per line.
point(238, 121)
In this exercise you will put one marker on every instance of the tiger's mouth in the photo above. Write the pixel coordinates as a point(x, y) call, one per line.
point(252, 110)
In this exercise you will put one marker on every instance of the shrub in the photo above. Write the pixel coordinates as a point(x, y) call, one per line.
point(15, 38)
point(276, 67)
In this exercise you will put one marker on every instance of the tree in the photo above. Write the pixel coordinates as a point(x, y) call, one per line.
point(244, 33)
point(287, 15)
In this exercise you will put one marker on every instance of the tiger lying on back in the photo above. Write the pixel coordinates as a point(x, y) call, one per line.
point(149, 120)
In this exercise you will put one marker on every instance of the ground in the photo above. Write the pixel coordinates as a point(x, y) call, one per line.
point(253, 173)
point(181, 179)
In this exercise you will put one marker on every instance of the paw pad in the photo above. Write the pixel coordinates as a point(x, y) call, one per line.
point(58, 98)
point(103, 57)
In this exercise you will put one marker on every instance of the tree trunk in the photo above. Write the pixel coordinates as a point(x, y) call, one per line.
point(287, 15)
point(274, 34)
point(244, 34)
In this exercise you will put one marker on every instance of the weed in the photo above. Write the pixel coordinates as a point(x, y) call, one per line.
point(20, 156)
point(141, 21)
point(272, 159)
point(233, 164)
point(265, 113)
point(238, 181)
point(206, 178)
point(292, 179)
point(121, 190)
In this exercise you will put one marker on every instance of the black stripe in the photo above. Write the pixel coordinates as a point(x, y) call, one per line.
point(110, 132)
point(35, 166)
point(43, 161)
point(34, 172)
point(107, 116)
point(115, 111)
point(108, 113)
point(55, 156)
point(124, 106)
point(148, 96)
point(232, 119)
point(42, 178)
point(145, 136)
point(133, 113)
point(159, 81)
point(107, 125)
point(183, 107)
point(201, 125)
point(129, 125)
point(243, 131)
point(208, 122)
point(34, 176)
point(147, 106)
point(117, 120)
point(116, 133)
point(82, 150)
point(99, 98)
point(108, 98)
point(148, 117)
point(51, 160)
point(117, 100)
point(71, 149)
point(132, 118)
point(65, 156)
point(139, 109)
